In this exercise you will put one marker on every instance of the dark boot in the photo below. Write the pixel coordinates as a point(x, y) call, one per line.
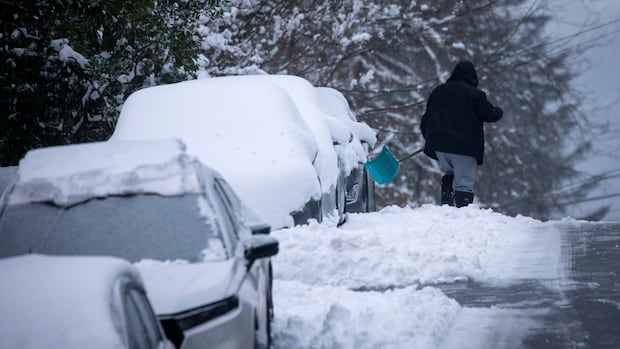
point(463, 198)
point(447, 193)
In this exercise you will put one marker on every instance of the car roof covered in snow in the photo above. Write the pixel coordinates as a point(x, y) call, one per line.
point(71, 174)
point(304, 95)
point(249, 129)
point(60, 302)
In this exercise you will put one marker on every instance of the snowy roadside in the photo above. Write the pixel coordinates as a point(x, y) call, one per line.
point(368, 283)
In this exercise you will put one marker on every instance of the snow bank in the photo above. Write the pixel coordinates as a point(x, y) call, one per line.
point(340, 318)
point(399, 247)
point(70, 174)
point(362, 285)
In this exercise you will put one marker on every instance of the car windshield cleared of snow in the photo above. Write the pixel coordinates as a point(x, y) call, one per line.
point(134, 227)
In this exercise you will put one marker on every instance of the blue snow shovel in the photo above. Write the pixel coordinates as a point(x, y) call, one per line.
point(384, 167)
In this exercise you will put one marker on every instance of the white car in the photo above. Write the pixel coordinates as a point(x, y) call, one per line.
point(344, 142)
point(202, 254)
point(266, 134)
point(75, 302)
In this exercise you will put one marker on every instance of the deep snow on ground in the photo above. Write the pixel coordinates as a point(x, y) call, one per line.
point(369, 283)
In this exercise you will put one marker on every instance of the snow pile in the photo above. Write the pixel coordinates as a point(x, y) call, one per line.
point(71, 174)
point(401, 247)
point(363, 284)
point(335, 317)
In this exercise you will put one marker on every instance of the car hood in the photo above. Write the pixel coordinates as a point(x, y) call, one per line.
point(173, 287)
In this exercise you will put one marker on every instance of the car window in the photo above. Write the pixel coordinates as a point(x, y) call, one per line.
point(231, 198)
point(228, 220)
point(131, 227)
point(233, 207)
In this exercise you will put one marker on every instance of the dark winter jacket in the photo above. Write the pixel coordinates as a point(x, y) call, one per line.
point(455, 112)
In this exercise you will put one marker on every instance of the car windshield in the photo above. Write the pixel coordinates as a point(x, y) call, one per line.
point(133, 227)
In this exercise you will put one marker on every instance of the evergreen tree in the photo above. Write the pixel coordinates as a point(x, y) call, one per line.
point(67, 66)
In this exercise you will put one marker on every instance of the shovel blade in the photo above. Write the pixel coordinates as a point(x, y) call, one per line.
point(384, 167)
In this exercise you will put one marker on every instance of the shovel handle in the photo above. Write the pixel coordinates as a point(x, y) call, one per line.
point(411, 155)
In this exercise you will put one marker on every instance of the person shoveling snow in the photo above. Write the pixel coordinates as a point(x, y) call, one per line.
point(453, 127)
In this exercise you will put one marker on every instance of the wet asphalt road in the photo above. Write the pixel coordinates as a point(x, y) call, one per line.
point(581, 309)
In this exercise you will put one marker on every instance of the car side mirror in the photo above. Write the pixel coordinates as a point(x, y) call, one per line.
point(351, 137)
point(260, 229)
point(259, 246)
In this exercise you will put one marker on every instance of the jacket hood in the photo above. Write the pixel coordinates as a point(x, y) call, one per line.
point(465, 71)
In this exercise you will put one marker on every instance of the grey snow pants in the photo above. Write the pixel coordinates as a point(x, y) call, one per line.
point(463, 168)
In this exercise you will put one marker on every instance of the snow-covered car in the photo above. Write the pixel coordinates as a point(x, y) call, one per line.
point(343, 141)
point(266, 134)
point(75, 302)
point(201, 252)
